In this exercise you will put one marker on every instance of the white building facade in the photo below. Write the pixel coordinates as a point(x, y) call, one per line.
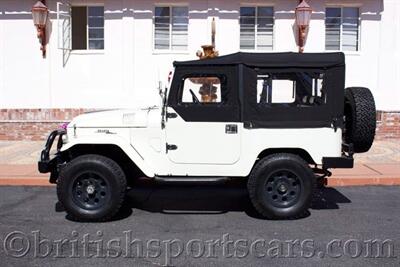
point(112, 53)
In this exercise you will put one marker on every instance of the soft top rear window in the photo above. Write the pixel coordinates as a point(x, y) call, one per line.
point(290, 89)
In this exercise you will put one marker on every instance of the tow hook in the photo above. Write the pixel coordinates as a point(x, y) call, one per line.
point(321, 175)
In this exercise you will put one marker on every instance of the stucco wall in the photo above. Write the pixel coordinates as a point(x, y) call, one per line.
point(126, 73)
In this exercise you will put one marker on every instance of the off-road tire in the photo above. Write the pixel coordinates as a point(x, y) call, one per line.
point(360, 118)
point(259, 182)
point(102, 168)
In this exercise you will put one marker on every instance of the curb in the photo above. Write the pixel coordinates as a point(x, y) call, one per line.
point(332, 181)
point(26, 181)
point(363, 181)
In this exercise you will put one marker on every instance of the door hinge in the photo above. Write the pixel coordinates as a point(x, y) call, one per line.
point(171, 147)
point(171, 115)
point(337, 123)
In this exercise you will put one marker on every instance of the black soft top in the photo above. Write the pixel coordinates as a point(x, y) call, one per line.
point(260, 60)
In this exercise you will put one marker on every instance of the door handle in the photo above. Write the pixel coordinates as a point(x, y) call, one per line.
point(231, 129)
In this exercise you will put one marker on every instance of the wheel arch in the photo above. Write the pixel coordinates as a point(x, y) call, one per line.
point(111, 151)
point(290, 150)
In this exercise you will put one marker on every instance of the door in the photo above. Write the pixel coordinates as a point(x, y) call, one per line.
point(203, 119)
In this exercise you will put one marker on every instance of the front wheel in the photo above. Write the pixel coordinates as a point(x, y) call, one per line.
point(281, 186)
point(91, 188)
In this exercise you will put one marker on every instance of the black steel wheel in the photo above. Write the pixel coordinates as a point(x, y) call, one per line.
point(91, 188)
point(90, 191)
point(281, 186)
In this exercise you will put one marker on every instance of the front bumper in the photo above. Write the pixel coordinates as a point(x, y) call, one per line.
point(49, 164)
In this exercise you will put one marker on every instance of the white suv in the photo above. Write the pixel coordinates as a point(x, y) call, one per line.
point(279, 120)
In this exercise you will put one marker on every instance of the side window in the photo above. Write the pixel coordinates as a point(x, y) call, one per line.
point(171, 27)
point(256, 27)
point(300, 89)
point(283, 90)
point(205, 93)
point(87, 27)
point(342, 31)
point(203, 89)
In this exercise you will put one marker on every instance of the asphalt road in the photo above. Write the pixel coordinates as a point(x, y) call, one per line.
point(202, 226)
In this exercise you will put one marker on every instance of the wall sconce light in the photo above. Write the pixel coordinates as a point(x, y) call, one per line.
point(39, 14)
point(303, 16)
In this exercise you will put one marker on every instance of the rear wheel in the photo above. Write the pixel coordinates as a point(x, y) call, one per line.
point(91, 188)
point(281, 186)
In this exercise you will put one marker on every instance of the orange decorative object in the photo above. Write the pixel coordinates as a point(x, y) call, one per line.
point(202, 80)
point(208, 90)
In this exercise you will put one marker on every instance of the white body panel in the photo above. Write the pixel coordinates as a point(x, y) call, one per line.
point(203, 149)
point(202, 142)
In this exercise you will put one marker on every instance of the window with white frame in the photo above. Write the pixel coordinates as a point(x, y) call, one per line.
point(171, 27)
point(342, 28)
point(87, 27)
point(256, 28)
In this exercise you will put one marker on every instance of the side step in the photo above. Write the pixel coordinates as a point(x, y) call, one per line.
point(188, 179)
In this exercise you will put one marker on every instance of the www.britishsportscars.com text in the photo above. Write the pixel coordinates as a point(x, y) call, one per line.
point(35, 244)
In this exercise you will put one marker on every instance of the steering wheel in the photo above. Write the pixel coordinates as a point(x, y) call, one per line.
point(194, 97)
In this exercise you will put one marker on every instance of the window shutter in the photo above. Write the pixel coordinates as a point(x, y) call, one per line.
point(247, 27)
point(332, 28)
point(342, 28)
point(265, 28)
point(162, 28)
point(350, 29)
point(180, 21)
point(64, 26)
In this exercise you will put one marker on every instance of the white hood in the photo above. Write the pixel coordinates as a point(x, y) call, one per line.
point(113, 118)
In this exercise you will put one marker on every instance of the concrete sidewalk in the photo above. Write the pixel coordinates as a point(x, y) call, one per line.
point(379, 166)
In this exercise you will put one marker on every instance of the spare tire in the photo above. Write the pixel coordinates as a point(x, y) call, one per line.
point(360, 118)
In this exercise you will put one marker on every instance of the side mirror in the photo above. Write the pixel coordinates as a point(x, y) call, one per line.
point(160, 89)
point(163, 95)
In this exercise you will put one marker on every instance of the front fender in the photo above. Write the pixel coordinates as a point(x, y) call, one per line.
point(122, 143)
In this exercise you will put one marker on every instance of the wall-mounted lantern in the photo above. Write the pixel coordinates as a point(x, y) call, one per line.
point(39, 15)
point(303, 16)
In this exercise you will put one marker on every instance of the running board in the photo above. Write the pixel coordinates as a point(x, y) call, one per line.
point(187, 179)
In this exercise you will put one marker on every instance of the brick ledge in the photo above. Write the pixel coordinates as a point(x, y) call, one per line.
point(35, 124)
